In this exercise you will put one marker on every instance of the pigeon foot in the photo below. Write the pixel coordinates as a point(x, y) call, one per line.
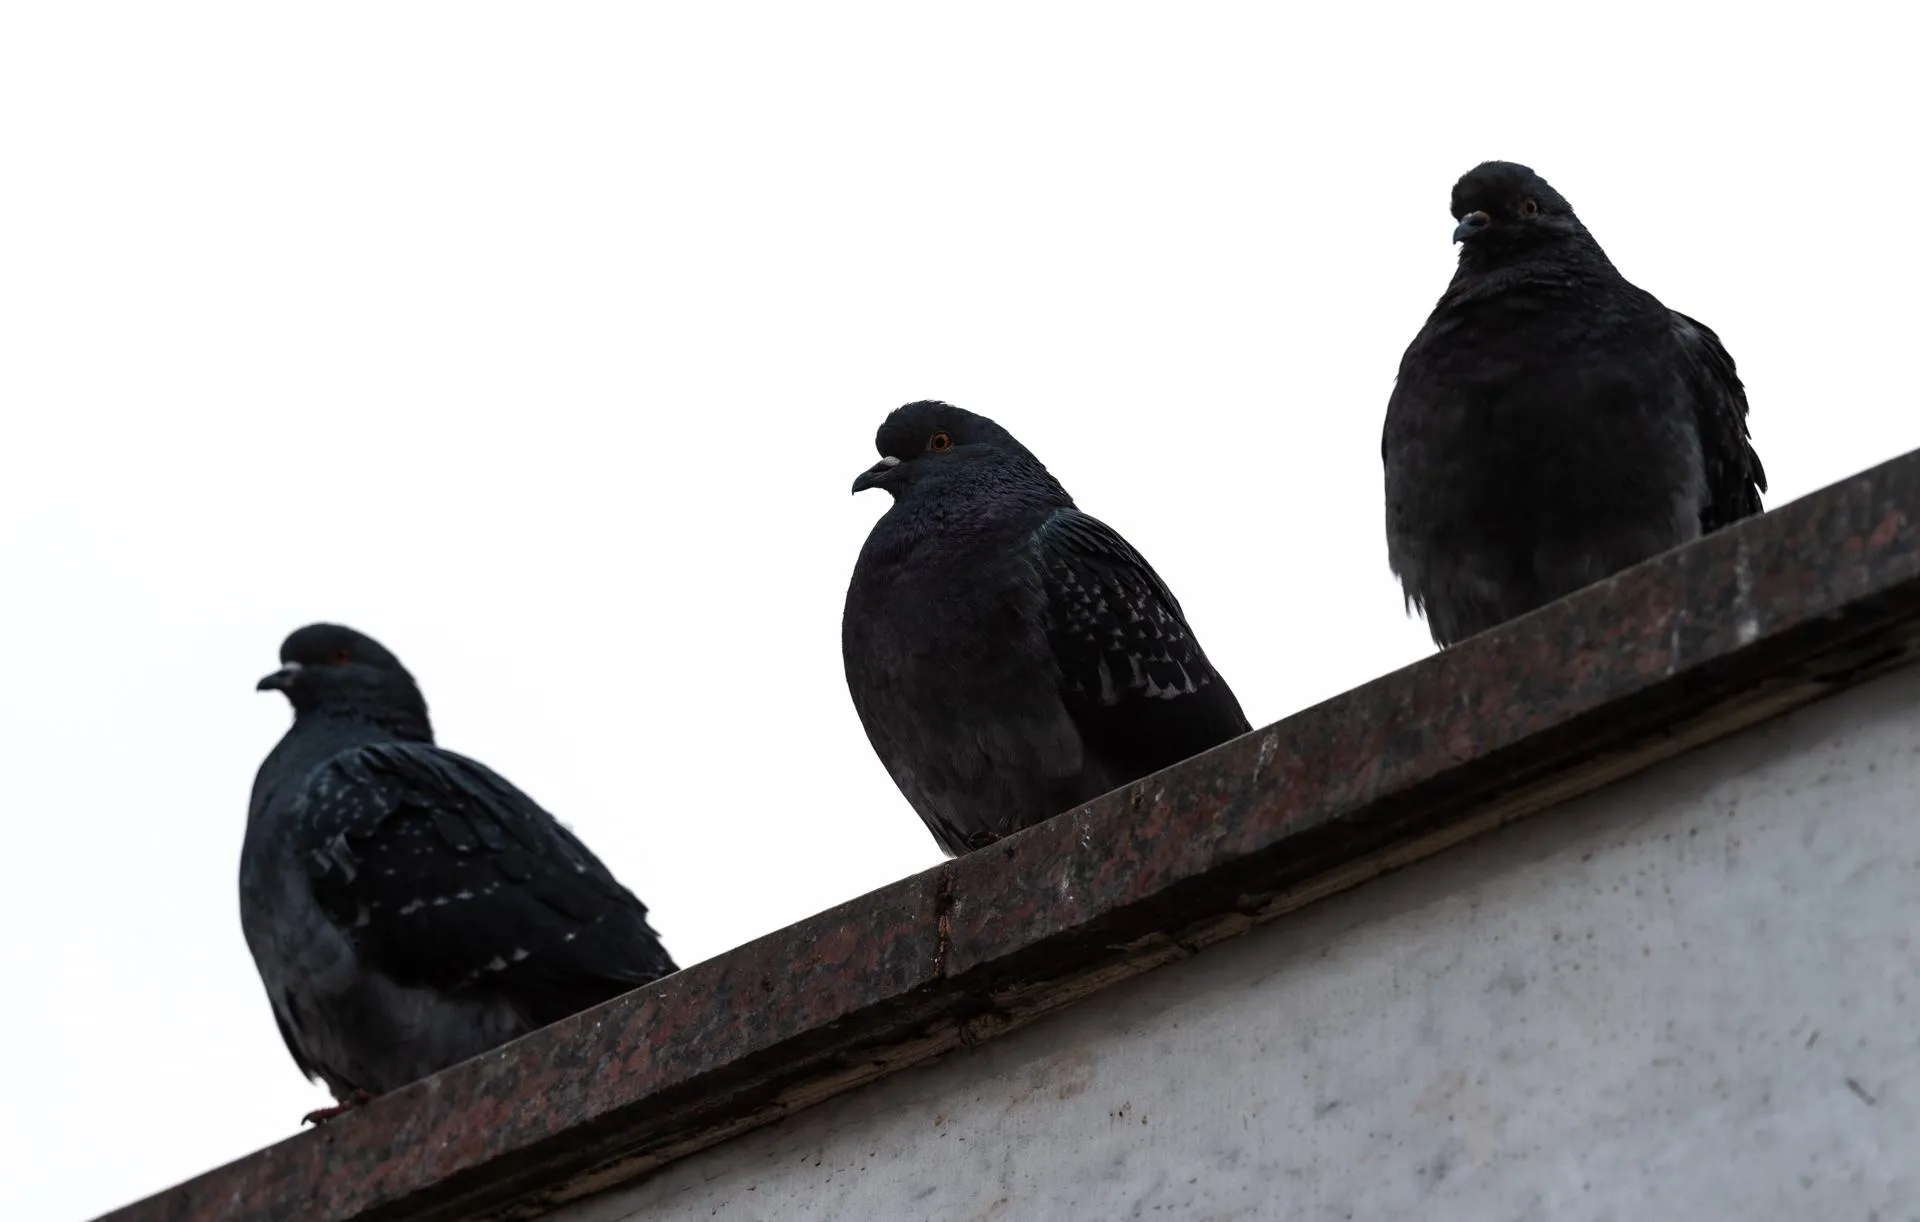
point(321, 1115)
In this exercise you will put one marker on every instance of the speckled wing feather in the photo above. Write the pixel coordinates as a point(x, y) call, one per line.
point(1133, 676)
point(446, 876)
point(1735, 478)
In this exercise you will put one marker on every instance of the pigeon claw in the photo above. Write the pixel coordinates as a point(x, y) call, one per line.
point(323, 1114)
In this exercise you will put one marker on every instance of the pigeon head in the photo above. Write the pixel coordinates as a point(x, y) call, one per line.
point(327, 667)
point(1507, 211)
point(929, 445)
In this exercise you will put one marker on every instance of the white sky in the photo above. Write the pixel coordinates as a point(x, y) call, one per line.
point(542, 342)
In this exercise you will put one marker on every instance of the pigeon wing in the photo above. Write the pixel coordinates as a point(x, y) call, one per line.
point(1133, 676)
point(446, 876)
point(1735, 478)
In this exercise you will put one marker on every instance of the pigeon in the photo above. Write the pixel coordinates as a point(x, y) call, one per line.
point(1009, 656)
point(1552, 423)
point(407, 907)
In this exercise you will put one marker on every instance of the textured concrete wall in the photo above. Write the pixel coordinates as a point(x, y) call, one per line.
point(1690, 996)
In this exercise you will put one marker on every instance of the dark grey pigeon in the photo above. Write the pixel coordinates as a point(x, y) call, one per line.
point(1552, 424)
point(1011, 657)
point(407, 907)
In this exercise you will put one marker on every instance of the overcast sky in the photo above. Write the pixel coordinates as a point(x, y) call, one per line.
point(542, 343)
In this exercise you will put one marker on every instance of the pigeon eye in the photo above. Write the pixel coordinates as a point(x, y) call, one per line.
point(341, 657)
point(941, 442)
point(1529, 208)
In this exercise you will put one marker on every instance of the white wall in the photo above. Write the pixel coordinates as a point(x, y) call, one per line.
point(1691, 995)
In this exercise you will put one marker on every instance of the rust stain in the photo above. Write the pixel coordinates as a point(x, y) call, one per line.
point(1888, 530)
point(943, 921)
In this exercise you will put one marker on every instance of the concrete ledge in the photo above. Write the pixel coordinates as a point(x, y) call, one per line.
point(1691, 646)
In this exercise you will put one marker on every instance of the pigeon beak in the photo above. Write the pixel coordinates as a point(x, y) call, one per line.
point(872, 476)
point(1470, 224)
point(280, 680)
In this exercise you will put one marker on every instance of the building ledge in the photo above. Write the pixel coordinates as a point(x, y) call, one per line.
point(1751, 622)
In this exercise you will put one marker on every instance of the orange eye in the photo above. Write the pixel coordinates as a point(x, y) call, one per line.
point(1529, 208)
point(341, 657)
point(941, 442)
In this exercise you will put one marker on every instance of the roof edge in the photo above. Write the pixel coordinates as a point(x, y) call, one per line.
point(1757, 619)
